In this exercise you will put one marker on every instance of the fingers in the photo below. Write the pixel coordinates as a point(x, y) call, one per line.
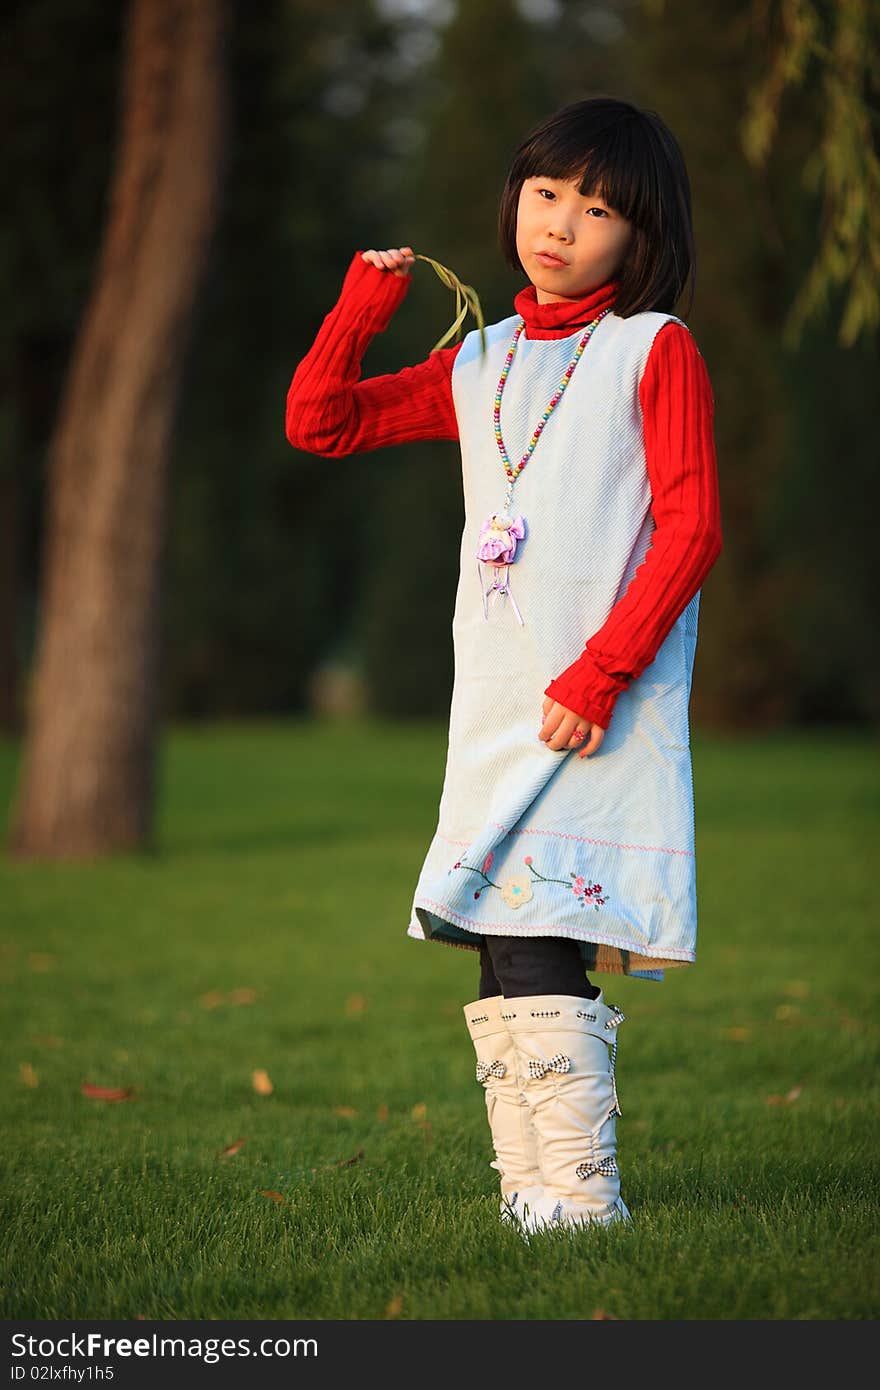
point(397, 259)
point(597, 733)
point(563, 729)
point(558, 728)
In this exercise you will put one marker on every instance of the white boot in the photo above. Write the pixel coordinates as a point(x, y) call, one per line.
point(513, 1135)
point(562, 1043)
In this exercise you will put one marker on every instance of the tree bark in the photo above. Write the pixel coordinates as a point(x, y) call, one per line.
point(10, 593)
point(87, 781)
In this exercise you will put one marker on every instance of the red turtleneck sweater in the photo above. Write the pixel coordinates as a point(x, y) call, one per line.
point(331, 412)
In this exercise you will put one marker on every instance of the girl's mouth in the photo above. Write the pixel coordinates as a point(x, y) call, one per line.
point(546, 259)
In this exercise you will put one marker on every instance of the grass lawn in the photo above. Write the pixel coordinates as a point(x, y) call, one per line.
point(267, 934)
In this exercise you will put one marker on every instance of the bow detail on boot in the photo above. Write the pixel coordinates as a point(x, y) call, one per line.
point(558, 1062)
point(487, 1069)
point(606, 1166)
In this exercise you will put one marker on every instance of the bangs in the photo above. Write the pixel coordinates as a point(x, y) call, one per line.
point(599, 174)
point(630, 159)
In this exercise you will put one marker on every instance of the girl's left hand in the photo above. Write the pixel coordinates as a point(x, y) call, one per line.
point(561, 728)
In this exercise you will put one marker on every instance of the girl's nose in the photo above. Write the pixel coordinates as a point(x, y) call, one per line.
point(559, 233)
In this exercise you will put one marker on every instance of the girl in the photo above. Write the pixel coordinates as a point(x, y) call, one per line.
point(582, 580)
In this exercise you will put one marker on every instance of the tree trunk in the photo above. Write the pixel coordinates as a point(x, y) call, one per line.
point(88, 768)
point(10, 590)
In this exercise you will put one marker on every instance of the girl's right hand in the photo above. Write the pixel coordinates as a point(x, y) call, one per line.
point(398, 259)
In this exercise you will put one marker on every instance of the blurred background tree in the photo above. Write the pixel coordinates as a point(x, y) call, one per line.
point(88, 777)
point(384, 122)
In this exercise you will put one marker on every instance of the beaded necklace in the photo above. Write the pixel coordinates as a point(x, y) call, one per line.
point(501, 531)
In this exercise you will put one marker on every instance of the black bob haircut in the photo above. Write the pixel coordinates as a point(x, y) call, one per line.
point(631, 160)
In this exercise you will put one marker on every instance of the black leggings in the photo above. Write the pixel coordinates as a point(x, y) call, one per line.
point(516, 966)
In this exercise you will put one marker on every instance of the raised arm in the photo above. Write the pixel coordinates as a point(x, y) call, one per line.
point(330, 411)
point(678, 418)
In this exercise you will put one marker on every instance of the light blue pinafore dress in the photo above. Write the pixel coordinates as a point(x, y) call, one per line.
point(531, 841)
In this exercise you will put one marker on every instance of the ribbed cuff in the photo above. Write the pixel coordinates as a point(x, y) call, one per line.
point(584, 688)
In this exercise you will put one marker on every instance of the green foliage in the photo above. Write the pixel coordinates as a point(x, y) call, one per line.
point(834, 48)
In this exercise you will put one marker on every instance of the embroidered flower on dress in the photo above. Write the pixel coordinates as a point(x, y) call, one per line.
point(586, 891)
point(516, 891)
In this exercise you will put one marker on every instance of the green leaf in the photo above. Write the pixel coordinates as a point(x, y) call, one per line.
point(466, 298)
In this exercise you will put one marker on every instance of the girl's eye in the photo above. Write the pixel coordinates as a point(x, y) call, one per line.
point(594, 209)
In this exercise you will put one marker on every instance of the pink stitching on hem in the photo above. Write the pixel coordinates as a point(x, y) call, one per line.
point(561, 835)
point(671, 954)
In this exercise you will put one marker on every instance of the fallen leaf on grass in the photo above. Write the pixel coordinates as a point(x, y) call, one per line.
point(419, 1114)
point(788, 1099)
point(262, 1083)
point(737, 1034)
point(601, 1316)
point(394, 1307)
point(272, 1194)
point(215, 997)
point(233, 1148)
point(40, 961)
point(46, 1040)
point(347, 1162)
point(345, 1111)
point(797, 989)
point(382, 1114)
point(106, 1092)
point(787, 1011)
point(355, 1004)
point(27, 1074)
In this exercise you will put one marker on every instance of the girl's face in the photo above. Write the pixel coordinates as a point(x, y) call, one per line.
point(589, 237)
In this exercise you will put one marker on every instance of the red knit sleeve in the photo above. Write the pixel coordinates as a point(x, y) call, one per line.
point(330, 411)
point(678, 421)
